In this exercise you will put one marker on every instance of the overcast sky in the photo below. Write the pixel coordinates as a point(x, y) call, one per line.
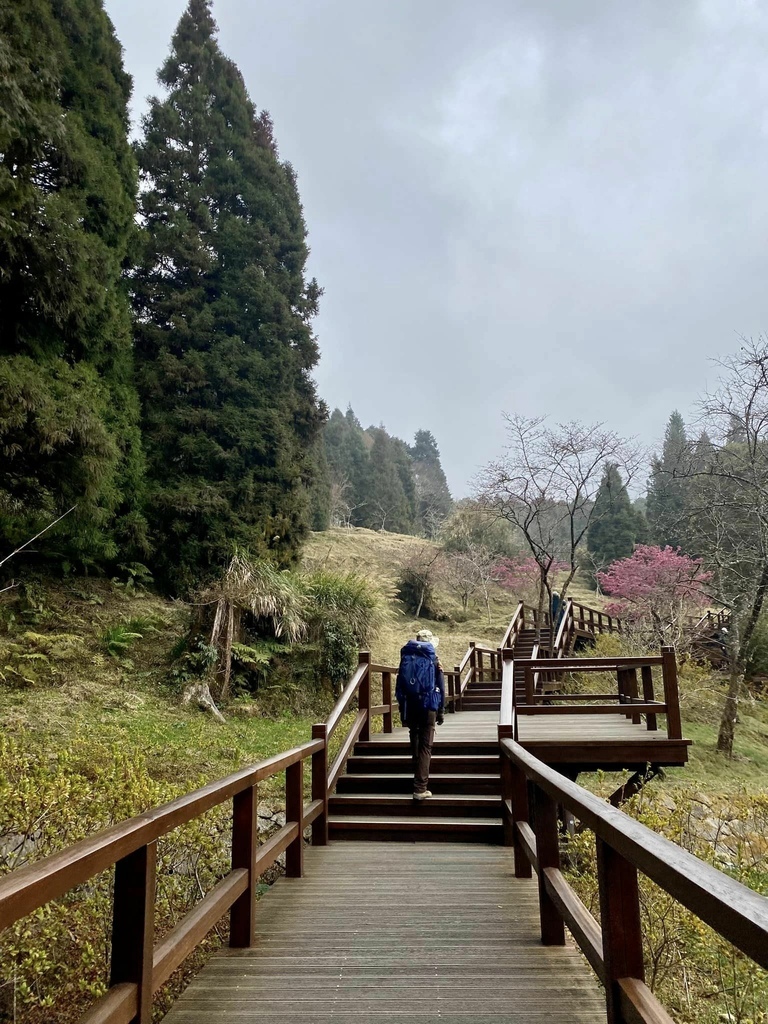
point(534, 206)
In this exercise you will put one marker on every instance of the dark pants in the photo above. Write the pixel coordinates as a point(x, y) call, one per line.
point(422, 730)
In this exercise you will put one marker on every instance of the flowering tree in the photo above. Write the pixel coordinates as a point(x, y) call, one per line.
point(545, 485)
point(656, 590)
point(522, 576)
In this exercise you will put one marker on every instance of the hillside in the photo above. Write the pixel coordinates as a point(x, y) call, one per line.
point(377, 556)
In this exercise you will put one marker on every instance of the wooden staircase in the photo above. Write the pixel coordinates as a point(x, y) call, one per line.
point(526, 648)
point(374, 797)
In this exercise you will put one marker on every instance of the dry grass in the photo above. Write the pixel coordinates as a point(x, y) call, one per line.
point(378, 556)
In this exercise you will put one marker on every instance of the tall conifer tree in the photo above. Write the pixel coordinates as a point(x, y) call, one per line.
point(434, 498)
point(68, 408)
point(666, 490)
point(224, 343)
point(616, 526)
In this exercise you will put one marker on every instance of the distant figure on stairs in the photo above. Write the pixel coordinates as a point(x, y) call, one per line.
point(420, 694)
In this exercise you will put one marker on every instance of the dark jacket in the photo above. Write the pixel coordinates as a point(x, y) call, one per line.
point(412, 711)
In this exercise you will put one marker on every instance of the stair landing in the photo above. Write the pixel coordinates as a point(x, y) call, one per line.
point(426, 933)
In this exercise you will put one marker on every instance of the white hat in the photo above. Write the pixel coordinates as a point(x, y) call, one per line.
point(426, 636)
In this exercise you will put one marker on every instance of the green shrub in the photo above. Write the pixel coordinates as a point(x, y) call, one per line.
point(344, 612)
point(53, 964)
point(117, 640)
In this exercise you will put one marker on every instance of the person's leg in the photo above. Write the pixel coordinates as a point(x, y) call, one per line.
point(426, 734)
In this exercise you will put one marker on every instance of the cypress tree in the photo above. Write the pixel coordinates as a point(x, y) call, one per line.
point(68, 408)
point(320, 490)
point(434, 497)
point(666, 491)
point(347, 455)
point(390, 493)
point(224, 344)
point(616, 526)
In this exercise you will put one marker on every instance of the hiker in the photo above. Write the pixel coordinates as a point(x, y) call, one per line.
point(420, 694)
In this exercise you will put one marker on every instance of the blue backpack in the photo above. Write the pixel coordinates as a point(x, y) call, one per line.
point(416, 675)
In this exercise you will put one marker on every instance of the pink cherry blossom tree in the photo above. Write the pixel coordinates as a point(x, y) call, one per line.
point(657, 591)
point(522, 576)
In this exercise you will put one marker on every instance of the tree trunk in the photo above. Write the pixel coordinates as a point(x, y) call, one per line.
point(542, 592)
point(754, 615)
point(730, 711)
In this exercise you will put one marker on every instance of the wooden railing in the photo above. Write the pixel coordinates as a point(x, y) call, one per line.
point(138, 967)
point(613, 946)
point(626, 699)
point(574, 618)
point(709, 622)
point(524, 617)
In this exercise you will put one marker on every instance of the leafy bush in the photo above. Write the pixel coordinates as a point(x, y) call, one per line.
point(58, 956)
point(344, 613)
point(32, 659)
point(698, 976)
point(117, 640)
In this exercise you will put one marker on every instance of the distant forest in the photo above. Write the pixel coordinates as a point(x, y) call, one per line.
point(368, 478)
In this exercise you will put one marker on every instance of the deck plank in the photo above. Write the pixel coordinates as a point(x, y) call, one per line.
point(404, 932)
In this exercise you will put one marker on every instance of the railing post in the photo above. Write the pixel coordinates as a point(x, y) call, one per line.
point(520, 812)
point(472, 661)
point(364, 695)
point(320, 785)
point(480, 670)
point(294, 811)
point(620, 920)
point(386, 699)
point(451, 677)
point(456, 705)
point(647, 675)
point(245, 843)
point(633, 692)
point(624, 693)
point(133, 926)
point(529, 685)
point(671, 693)
point(548, 853)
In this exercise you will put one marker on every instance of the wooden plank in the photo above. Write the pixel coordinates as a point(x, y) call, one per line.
point(425, 933)
point(179, 943)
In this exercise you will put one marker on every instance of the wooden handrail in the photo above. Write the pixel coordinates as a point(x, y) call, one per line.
point(138, 970)
point(345, 698)
point(563, 634)
point(595, 664)
point(32, 886)
point(507, 709)
point(736, 912)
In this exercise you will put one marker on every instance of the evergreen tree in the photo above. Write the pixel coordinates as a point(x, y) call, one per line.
point(434, 498)
point(320, 490)
point(615, 526)
point(390, 493)
point(68, 408)
point(666, 490)
point(347, 455)
point(224, 344)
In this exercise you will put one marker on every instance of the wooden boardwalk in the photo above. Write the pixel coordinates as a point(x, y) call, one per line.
point(412, 932)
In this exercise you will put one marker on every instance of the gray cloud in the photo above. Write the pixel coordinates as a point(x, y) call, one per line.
point(534, 207)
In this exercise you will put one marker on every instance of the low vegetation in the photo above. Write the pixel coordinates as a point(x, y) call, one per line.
point(93, 674)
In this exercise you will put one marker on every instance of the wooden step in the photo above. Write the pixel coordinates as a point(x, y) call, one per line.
point(478, 805)
point(464, 764)
point(440, 748)
point(480, 704)
point(402, 782)
point(426, 829)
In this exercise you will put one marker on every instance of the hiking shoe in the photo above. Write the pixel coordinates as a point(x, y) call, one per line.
point(422, 796)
